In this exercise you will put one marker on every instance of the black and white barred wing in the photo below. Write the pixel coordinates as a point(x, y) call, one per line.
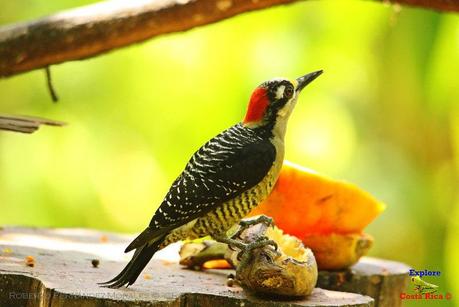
point(222, 169)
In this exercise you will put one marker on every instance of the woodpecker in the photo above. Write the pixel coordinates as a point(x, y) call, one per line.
point(224, 180)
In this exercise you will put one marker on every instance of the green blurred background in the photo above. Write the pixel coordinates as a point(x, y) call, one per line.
point(383, 115)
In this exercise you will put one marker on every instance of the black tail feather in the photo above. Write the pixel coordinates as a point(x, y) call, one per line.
point(135, 266)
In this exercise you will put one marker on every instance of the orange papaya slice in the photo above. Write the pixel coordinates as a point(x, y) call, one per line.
point(327, 215)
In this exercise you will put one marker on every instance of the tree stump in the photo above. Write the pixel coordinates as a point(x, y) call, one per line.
point(61, 267)
point(383, 280)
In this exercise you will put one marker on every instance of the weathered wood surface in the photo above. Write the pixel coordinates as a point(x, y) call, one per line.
point(63, 275)
point(383, 280)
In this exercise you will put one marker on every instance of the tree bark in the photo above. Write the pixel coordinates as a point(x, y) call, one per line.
point(94, 29)
point(25, 124)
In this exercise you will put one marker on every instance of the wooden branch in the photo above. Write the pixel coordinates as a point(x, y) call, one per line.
point(440, 5)
point(25, 124)
point(94, 29)
point(97, 28)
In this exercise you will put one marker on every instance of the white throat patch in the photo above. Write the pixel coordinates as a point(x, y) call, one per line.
point(280, 92)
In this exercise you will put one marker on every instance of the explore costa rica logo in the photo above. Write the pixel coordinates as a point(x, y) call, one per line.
point(424, 290)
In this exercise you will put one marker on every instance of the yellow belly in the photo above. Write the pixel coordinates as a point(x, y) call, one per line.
point(218, 221)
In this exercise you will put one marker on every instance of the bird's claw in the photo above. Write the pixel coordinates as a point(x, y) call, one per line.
point(244, 224)
point(267, 241)
point(260, 242)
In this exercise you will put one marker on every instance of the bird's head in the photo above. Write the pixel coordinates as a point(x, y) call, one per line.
point(274, 100)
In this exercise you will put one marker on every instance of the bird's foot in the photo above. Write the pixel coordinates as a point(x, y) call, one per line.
point(244, 224)
point(232, 243)
point(246, 248)
point(246, 253)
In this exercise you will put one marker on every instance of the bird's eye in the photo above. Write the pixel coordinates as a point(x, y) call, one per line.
point(288, 92)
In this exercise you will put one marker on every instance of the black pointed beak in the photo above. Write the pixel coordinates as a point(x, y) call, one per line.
point(306, 79)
